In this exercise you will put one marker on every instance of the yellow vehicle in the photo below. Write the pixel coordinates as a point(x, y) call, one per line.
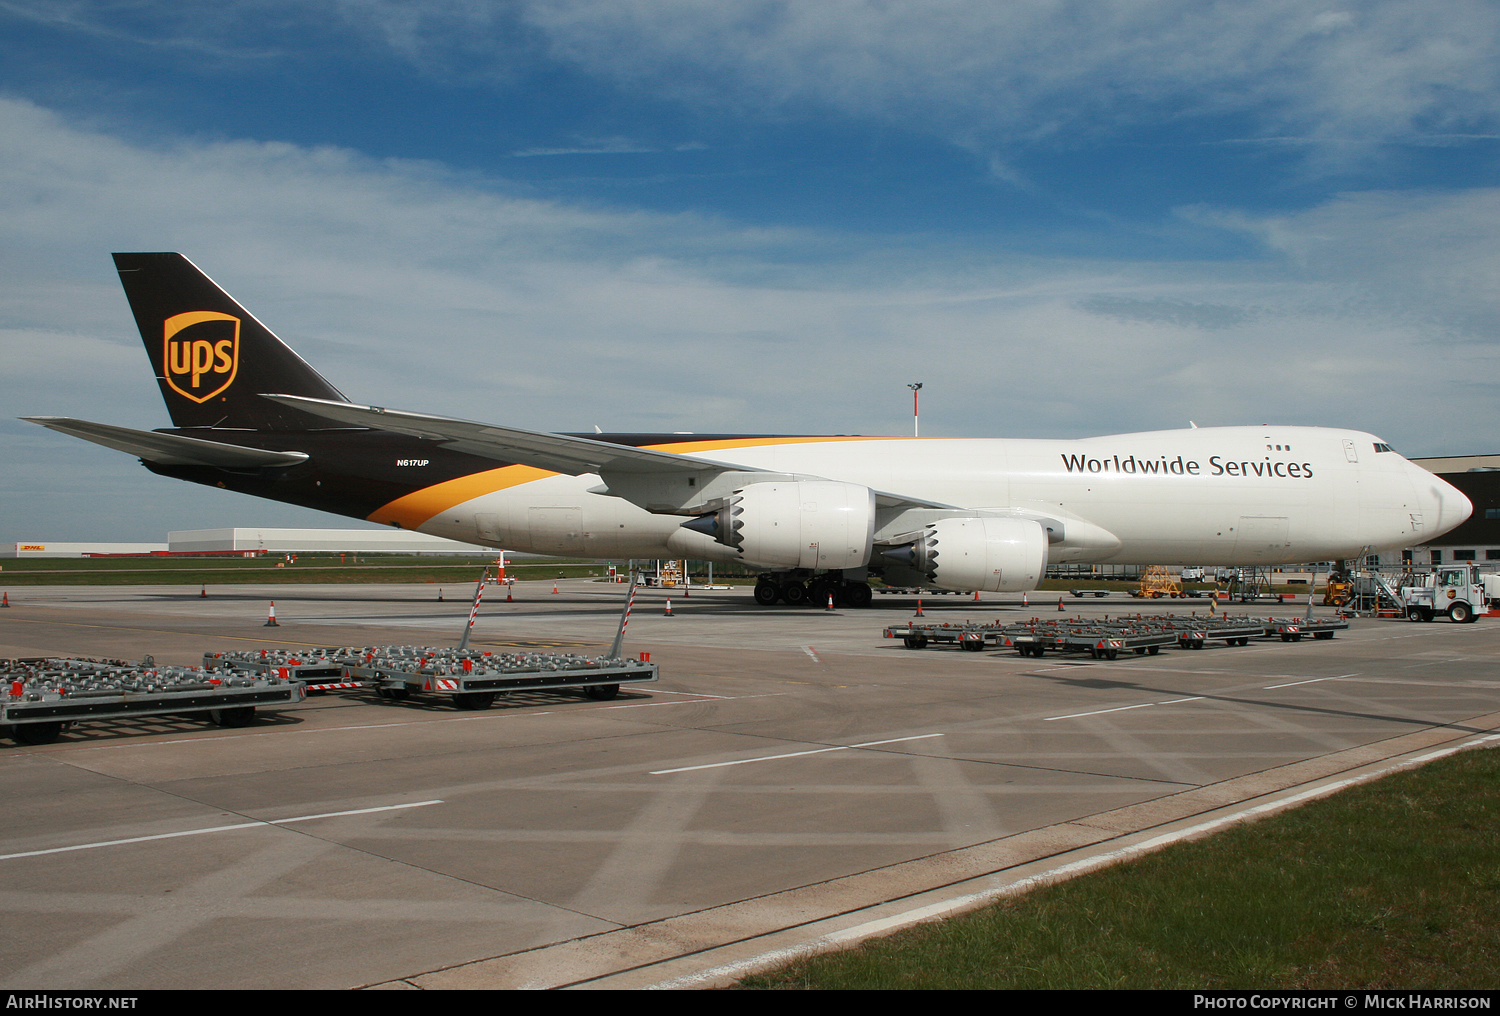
point(1157, 582)
point(1338, 591)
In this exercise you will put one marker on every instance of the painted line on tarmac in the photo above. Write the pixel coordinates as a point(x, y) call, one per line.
point(1313, 680)
point(1121, 709)
point(259, 824)
point(793, 754)
point(968, 901)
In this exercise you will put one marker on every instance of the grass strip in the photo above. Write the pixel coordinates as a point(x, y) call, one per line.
point(1391, 884)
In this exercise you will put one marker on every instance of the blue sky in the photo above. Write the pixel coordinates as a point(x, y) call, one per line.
point(1065, 218)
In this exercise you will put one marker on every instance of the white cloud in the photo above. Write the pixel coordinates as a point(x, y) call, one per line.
point(983, 73)
point(973, 68)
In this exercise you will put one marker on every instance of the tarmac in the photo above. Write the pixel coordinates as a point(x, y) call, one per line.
point(794, 783)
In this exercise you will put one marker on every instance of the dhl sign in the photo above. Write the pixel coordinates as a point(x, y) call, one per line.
point(200, 353)
point(31, 546)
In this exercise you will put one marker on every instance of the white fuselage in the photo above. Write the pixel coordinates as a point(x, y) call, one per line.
point(1224, 495)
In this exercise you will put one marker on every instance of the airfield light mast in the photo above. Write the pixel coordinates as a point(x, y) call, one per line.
point(915, 431)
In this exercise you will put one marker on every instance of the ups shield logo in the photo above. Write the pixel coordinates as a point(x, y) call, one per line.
point(201, 353)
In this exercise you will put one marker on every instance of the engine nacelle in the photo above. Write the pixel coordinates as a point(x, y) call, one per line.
point(795, 524)
point(997, 555)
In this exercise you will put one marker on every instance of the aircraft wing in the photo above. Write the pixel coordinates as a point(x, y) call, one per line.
point(169, 449)
point(555, 452)
point(558, 453)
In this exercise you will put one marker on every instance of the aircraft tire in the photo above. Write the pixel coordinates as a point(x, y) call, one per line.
point(795, 594)
point(858, 594)
point(766, 594)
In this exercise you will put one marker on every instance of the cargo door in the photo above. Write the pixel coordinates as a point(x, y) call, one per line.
point(555, 529)
point(1262, 539)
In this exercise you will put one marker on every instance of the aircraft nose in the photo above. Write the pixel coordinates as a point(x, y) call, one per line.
point(1443, 503)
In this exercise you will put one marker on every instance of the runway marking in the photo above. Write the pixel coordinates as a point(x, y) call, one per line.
point(1313, 680)
point(793, 754)
point(261, 824)
point(1121, 709)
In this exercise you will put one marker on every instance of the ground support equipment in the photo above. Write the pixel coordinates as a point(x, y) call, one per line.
point(42, 696)
point(1291, 629)
point(1195, 632)
point(973, 637)
point(471, 678)
point(317, 669)
point(1107, 638)
point(1102, 639)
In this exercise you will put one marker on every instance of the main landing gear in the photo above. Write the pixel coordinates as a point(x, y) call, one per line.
point(799, 590)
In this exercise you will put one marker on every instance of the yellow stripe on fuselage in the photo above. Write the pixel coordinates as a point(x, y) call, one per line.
point(412, 510)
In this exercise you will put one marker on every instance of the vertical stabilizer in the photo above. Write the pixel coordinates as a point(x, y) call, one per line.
point(213, 359)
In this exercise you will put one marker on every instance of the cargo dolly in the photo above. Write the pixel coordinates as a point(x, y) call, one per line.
point(1107, 638)
point(1195, 632)
point(318, 669)
point(1291, 629)
point(470, 678)
point(43, 696)
point(973, 637)
point(1104, 641)
point(473, 679)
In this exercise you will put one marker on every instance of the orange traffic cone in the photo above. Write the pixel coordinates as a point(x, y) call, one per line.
point(440, 594)
point(4, 599)
point(203, 593)
point(830, 601)
point(668, 612)
point(976, 596)
point(1025, 600)
point(554, 588)
point(509, 598)
point(271, 621)
point(1060, 604)
point(919, 610)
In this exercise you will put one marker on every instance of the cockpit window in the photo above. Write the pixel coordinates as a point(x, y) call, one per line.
point(1382, 447)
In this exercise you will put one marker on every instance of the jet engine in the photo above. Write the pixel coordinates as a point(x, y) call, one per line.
point(795, 524)
point(993, 554)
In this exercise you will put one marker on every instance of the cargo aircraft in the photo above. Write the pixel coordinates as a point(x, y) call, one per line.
point(817, 516)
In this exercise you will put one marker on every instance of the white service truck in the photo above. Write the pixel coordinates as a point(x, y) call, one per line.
point(1458, 591)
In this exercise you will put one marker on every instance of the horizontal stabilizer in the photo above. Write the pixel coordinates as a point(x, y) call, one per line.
point(169, 449)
